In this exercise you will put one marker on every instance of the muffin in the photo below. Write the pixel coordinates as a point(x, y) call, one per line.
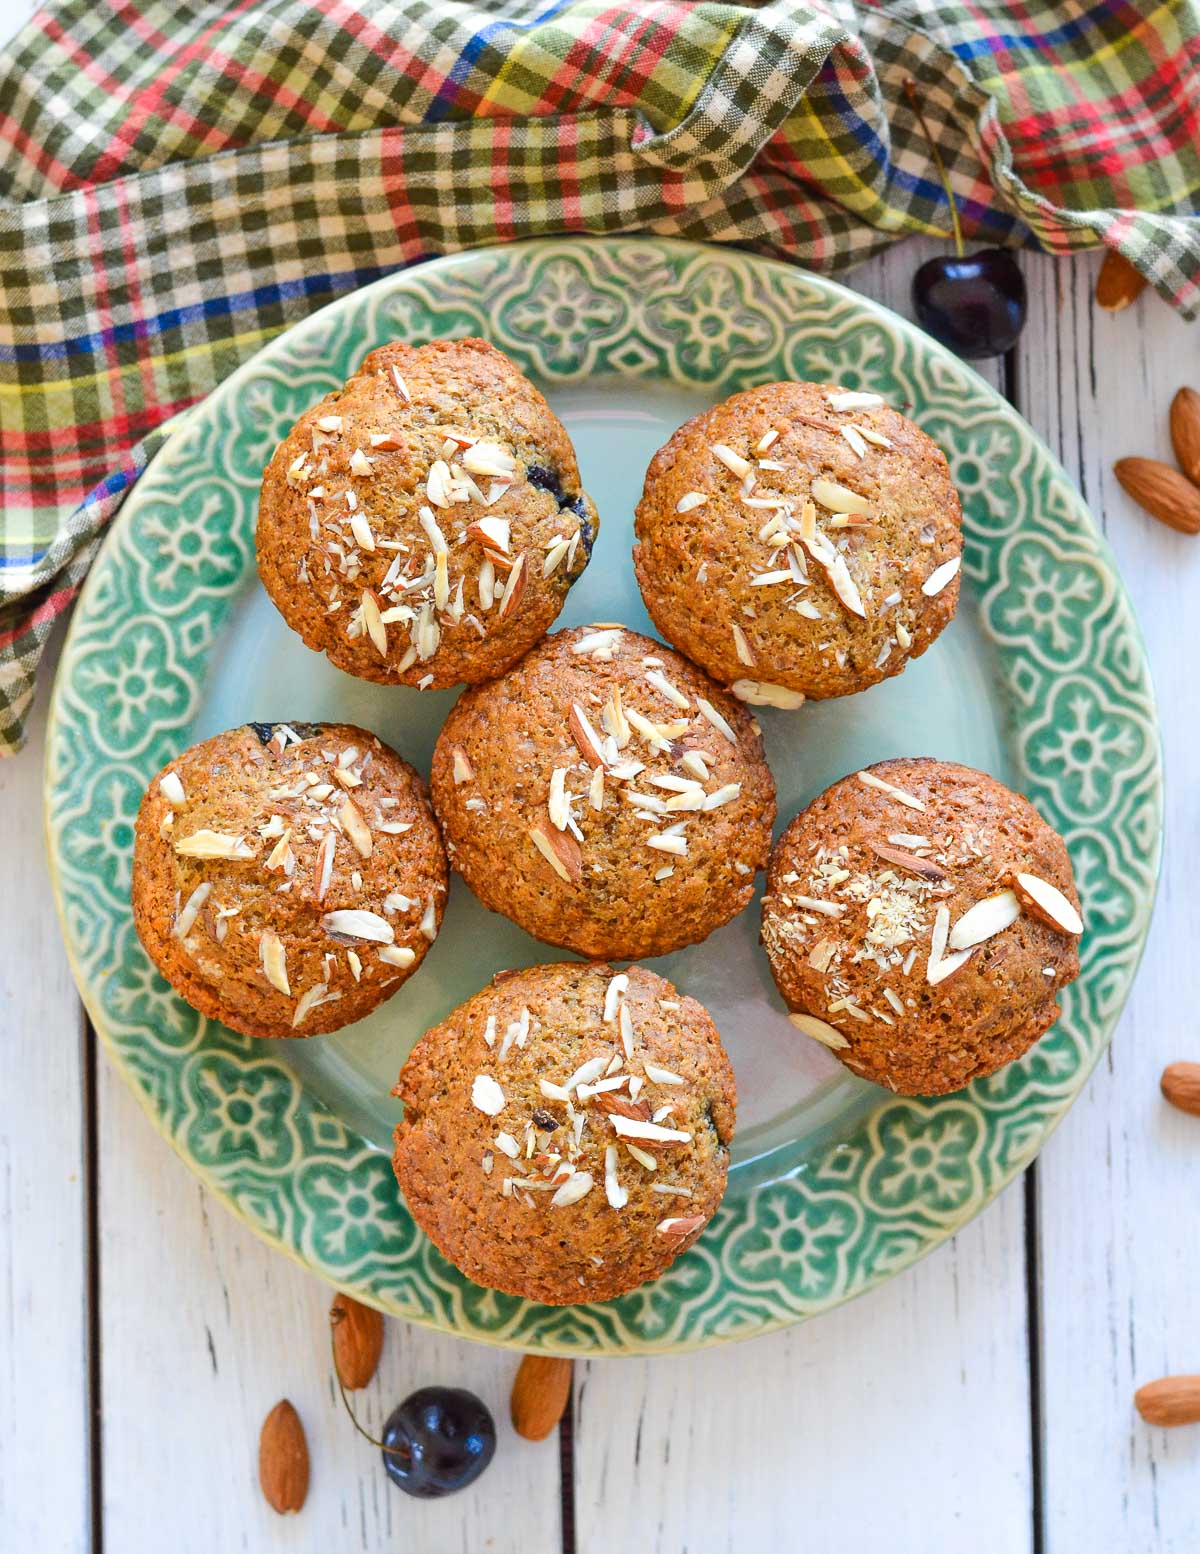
point(287, 878)
point(920, 919)
point(423, 524)
point(799, 540)
point(605, 795)
point(566, 1131)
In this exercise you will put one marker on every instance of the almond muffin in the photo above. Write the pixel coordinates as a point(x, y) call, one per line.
point(423, 524)
point(605, 795)
point(920, 919)
point(799, 540)
point(566, 1131)
point(287, 878)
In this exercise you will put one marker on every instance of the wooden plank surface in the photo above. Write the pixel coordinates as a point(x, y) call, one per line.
point(1120, 1285)
point(44, 1297)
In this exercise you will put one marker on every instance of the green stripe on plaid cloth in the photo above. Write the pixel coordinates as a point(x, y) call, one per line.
point(180, 180)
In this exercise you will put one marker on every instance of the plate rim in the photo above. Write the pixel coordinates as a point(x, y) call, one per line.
point(602, 1345)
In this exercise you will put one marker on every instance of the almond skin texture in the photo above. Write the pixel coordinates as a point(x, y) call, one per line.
point(1175, 1400)
point(1118, 283)
point(1180, 1084)
point(540, 1394)
point(357, 1340)
point(1162, 491)
point(1185, 432)
point(283, 1459)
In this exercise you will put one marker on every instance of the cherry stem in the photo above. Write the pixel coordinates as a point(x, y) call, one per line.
point(910, 91)
point(393, 1451)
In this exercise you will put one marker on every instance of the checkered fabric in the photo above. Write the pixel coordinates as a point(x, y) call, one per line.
point(181, 179)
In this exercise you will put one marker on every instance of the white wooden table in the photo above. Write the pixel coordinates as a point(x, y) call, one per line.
point(980, 1401)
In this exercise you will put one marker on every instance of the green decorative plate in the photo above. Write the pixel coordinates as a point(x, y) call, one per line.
point(1041, 680)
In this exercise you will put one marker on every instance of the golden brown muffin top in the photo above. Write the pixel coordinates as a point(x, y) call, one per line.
point(920, 919)
point(605, 795)
point(287, 879)
point(799, 535)
point(566, 1131)
point(423, 524)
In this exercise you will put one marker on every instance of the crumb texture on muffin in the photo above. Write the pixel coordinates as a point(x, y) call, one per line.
point(920, 919)
point(423, 524)
point(566, 1131)
point(799, 536)
point(287, 878)
point(605, 795)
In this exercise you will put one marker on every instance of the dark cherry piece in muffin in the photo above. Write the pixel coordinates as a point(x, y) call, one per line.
point(287, 878)
point(605, 795)
point(920, 919)
point(566, 1131)
point(799, 540)
point(423, 524)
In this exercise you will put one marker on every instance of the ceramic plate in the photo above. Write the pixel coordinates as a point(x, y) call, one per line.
point(1041, 680)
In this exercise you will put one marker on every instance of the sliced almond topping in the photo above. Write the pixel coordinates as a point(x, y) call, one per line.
point(310, 999)
point(212, 844)
point(870, 780)
point(274, 962)
point(617, 1195)
point(937, 943)
point(1048, 904)
point(680, 1225)
point(720, 723)
point(622, 1106)
point(732, 461)
point(742, 647)
point(666, 842)
point(613, 994)
point(486, 1095)
point(815, 904)
point(558, 804)
point(821, 955)
point(561, 851)
point(601, 639)
point(855, 399)
point(925, 867)
point(356, 924)
point(675, 696)
point(940, 576)
point(586, 739)
point(397, 955)
point(984, 920)
point(819, 1030)
point(690, 500)
point(463, 770)
point(576, 1186)
point(837, 498)
point(386, 442)
point(400, 386)
point(514, 588)
point(171, 789)
point(489, 458)
point(947, 966)
point(757, 693)
point(186, 920)
point(355, 827)
point(844, 585)
point(662, 1076)
point(323, 865)
point(855, 438)
point(635, 1128)
point(373, 622)
point(438, 483)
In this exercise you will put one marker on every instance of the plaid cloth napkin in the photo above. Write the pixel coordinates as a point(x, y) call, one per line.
point(181, 179)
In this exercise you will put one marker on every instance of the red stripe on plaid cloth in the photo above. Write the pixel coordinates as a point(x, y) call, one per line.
point(51, 607)
point(49, 166)
point(87, 63)
point(148, 104)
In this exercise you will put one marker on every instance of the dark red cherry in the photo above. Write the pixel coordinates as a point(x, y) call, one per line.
point(440, 1439)
point(974, 304)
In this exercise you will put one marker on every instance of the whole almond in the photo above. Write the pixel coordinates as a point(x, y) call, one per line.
point(1185, 432)
point(540, 1394)
point(1118, 283)
point(1175, 1400)
point(1162, 491)
point(1180, 1084)
point(283, 1459)
point(357, 1340)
